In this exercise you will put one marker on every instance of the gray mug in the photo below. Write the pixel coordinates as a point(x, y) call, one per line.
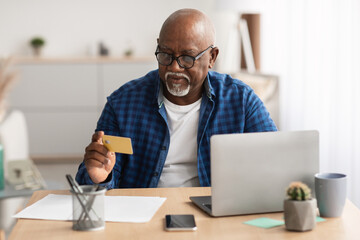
point(330, 190)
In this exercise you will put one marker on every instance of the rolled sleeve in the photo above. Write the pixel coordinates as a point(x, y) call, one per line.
point(257, 117)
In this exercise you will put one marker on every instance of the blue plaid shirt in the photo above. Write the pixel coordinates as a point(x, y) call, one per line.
point(136, 110)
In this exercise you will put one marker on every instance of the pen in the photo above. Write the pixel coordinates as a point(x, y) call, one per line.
point(73, 184)
point(89, 204)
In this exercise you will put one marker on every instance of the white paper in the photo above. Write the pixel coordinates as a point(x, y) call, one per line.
point(117, 208)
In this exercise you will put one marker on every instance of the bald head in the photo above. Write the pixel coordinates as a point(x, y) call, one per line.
point(189, 22)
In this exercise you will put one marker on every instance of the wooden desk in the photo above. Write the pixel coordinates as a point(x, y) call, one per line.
point(346, 227)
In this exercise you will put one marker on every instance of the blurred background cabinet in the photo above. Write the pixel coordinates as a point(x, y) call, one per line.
point(63, 99)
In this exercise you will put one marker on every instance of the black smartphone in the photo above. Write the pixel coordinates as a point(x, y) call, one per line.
point(180, 222)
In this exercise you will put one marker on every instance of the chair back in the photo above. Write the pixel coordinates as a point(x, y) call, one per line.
point(14, 137)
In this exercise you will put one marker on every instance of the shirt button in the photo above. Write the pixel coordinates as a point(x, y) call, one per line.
point(155, 174)
point(163, 148)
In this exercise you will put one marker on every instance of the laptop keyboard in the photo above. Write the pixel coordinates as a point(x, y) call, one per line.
point(207, 205)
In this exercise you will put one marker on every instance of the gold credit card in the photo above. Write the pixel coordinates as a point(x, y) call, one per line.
point(118, 144)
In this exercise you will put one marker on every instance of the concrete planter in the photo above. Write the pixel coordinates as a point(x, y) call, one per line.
point(300, 215)
point(37, 51)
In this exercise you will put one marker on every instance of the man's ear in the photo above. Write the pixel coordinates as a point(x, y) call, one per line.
point(213, 55)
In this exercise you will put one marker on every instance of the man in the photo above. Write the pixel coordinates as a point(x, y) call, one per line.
point(171, 113)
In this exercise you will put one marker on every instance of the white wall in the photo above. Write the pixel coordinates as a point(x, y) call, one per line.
point(74, 28)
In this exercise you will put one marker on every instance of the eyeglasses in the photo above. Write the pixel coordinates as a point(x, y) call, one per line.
point(184, 61)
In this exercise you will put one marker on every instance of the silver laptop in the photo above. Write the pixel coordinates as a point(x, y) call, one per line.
point(251, 171)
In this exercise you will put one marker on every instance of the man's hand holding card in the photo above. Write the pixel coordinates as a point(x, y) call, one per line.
point(100, 158)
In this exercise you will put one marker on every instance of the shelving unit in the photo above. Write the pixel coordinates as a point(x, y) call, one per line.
point(62, 99)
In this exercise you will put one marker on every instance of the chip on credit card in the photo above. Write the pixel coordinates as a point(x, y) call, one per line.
point(118, 144)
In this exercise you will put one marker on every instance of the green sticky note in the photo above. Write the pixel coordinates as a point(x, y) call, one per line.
point(264, 222)
point(320, 219)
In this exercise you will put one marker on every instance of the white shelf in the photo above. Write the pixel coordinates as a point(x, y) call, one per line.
point(62, 101)
point(74, 60)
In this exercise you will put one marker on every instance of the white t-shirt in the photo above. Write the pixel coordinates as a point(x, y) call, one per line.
point(180, 169)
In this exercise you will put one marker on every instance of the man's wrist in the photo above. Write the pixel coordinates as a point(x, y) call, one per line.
point(108, 179)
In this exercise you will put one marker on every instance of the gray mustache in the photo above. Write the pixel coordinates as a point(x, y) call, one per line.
point(169, 74)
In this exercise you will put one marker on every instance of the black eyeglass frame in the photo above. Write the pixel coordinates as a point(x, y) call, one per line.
point(177, 58)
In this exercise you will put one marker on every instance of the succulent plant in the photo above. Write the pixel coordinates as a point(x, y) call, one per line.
point(37, 42)
point(298, 191)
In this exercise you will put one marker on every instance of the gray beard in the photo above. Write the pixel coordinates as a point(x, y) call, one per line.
point(176, 90)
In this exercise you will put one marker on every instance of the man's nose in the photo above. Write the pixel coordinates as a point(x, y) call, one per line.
point(174, 66)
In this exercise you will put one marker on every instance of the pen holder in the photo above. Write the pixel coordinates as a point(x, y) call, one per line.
point(88, 208)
